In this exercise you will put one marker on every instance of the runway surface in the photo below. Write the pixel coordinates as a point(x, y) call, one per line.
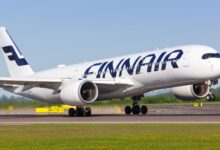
point(61, 119)
point(186, 113)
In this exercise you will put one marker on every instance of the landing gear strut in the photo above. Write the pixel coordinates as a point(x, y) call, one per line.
point(136, 109)
point(80, 111)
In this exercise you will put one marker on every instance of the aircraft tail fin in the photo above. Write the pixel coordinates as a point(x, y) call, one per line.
point(15, 61)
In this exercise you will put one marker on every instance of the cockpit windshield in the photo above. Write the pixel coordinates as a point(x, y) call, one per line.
point(211, 55)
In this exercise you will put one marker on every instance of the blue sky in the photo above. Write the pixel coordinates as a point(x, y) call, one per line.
point(50, 32)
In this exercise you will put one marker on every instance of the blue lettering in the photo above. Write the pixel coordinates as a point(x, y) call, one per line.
point(100, 69)
point(106, 67)
point(128, 67)
point(141, 63)
point(172, 60)
point(157, 64)
point(87, 72)
point(112, 71)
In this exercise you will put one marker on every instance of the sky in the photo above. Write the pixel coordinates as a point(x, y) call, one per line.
point(52, 32)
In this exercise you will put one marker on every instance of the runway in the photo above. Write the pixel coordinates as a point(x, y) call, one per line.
point(184, 113)
point(108, 118)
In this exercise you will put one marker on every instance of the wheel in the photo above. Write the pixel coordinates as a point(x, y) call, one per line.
point(211, 97)
point(71, 112)
point(80, 112)
point(128, 110)
point(88, 111)
point(136, 110)
point(144, 110)
point(208, 97)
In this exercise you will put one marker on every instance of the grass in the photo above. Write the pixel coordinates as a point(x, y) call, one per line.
point(111, 136)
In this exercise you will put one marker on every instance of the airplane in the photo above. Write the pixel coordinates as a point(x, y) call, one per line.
point(190, 71)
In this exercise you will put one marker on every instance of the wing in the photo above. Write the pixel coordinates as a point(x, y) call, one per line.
point(107, 86)
point(28, 83)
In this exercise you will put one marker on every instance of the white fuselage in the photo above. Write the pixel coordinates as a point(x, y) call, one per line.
point(151, 70)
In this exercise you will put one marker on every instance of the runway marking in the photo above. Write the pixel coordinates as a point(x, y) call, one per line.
point(29, 123)
point(111, 119)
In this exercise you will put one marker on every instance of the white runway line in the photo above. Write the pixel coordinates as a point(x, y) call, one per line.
point(30, 123)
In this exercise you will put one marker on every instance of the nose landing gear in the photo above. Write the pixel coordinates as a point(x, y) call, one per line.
point(211, 97)
point(136, 109)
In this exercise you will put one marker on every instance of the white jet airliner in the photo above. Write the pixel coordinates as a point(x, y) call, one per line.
point(191, 71)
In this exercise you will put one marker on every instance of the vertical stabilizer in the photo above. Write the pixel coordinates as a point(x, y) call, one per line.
point(15, 61)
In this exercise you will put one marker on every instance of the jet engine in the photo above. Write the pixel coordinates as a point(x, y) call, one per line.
point(192, 92)
point(79, 92)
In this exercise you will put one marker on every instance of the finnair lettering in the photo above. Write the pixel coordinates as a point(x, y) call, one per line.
point(149, 61)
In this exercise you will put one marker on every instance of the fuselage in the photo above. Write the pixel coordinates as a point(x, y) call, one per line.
point(148, 71)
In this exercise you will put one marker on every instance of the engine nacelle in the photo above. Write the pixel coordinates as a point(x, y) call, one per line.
point(191, 92)
point(80, 92)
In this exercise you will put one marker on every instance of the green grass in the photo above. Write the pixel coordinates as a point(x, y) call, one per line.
point(111, 136)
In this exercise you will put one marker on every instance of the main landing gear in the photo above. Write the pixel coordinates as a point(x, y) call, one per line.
point(211, 97)
point(80, 111)
point(136, 109)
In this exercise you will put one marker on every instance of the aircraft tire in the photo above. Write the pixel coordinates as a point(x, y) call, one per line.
point(144, 110)
point(80, 112)
point(136, 110)
point(71, 112)
point(128, 110)
point(211, 97)
point(88, 111)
